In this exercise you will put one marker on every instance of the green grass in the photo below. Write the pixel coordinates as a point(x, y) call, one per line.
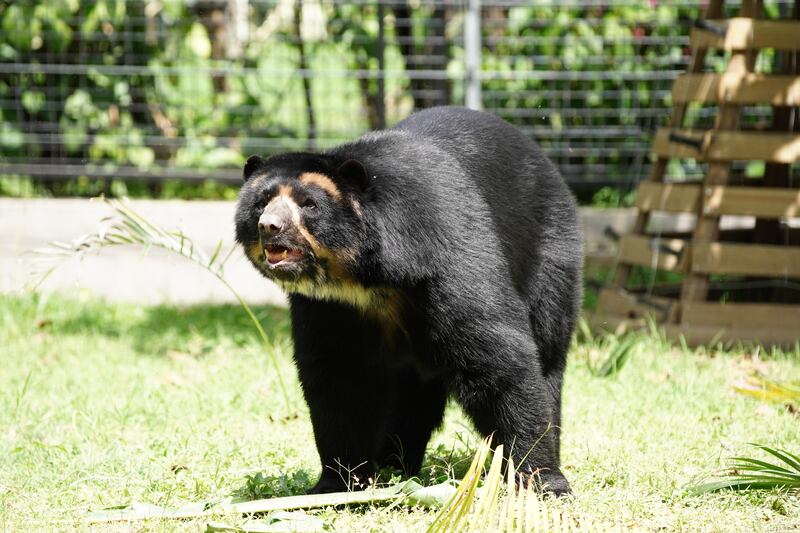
point(105, 404)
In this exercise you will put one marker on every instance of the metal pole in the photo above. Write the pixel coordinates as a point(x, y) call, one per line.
point(472, 55)
point(381, 52)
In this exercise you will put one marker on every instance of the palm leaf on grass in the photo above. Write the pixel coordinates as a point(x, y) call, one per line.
point(748, 473)
point(408, 492)
point(127, 227)
point(500, 504)
point(765, 388)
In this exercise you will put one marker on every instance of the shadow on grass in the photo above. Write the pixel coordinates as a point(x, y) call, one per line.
point(440, 465)
point(198, 329)
point(154, 330)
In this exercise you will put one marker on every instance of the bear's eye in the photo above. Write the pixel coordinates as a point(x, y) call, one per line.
point(308, 203)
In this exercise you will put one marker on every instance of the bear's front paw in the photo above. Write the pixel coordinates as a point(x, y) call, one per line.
point(340, 482)
point(548, 482)
point(325, 486)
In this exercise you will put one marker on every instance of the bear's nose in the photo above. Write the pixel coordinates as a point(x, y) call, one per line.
point(270, 224)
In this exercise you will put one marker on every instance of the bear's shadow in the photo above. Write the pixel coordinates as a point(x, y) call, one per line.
point(441, 464)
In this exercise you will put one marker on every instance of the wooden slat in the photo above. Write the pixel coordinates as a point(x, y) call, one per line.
point(700, 335)
point(621, 303)
point(737, 89)
point(616, 324)
point(729, 145)
point(771, 203)
point(743, 315)
point(670, 197)
point(753, 201)
point(696, 333)
point(746, 259)
point(665, 254)
point(749, 34)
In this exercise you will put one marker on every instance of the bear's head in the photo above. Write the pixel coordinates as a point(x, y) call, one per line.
point(300, 220)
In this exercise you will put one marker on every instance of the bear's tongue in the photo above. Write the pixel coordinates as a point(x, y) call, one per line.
point(276, 254)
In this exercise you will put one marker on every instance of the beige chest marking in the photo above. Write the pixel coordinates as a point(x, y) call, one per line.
point(385, 305)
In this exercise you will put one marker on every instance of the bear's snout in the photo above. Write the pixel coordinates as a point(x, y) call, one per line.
point(275, 219)
point(270, 224)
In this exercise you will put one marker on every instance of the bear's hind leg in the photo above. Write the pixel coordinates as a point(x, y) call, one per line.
point(417, 410)
point(497, 378)
point(519, 412)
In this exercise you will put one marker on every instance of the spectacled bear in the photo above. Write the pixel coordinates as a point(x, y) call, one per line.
point(440, 257)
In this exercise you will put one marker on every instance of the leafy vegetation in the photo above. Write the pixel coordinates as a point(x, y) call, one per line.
point(152, 86)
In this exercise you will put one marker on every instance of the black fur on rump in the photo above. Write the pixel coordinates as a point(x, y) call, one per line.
point(441, 257)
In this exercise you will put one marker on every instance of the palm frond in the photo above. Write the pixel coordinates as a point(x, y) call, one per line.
point(500, 504)
point(748, 473)
point(765, 388)
point(127, 227)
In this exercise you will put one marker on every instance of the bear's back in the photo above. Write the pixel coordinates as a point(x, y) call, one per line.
point(530, 204)
point(468, 178)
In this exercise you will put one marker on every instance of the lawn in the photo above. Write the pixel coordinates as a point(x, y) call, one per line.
point(104, 404)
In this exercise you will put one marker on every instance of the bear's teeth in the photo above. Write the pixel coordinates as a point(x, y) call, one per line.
point(285, 254)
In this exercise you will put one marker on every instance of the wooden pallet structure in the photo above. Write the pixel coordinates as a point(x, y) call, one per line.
point(723, 285)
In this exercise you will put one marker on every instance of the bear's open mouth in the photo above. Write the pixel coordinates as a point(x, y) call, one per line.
point(281, 255)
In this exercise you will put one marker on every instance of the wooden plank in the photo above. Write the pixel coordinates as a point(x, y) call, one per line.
point(772, 203)
point(719, 145)
point(743, 315)
point(745, 259)
point(674, 198)
point(743, 33)
point(652, 252)
point(625, 304)
point(699, 335)
point(615, 324)
point(737, 88)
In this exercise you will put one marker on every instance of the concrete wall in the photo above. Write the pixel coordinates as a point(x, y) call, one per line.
point(131, 274)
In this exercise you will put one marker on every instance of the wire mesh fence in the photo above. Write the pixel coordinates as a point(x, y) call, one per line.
point(159, 89)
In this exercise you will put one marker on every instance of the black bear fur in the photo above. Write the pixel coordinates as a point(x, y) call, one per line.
point(441, 258)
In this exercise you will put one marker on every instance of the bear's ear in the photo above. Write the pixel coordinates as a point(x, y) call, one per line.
point(353, 172)
point(253, 163)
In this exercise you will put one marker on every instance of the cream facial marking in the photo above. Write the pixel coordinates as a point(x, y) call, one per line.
point(284, 195)
point(356, 208)
point(323, 182)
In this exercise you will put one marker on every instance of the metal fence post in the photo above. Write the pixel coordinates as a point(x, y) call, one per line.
point(472, 55)
point(381, 53)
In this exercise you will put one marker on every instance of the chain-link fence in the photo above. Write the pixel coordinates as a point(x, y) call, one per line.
point(158, 89)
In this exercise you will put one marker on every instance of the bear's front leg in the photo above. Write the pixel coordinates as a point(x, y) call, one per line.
point(349, 410)
point(347, 390)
